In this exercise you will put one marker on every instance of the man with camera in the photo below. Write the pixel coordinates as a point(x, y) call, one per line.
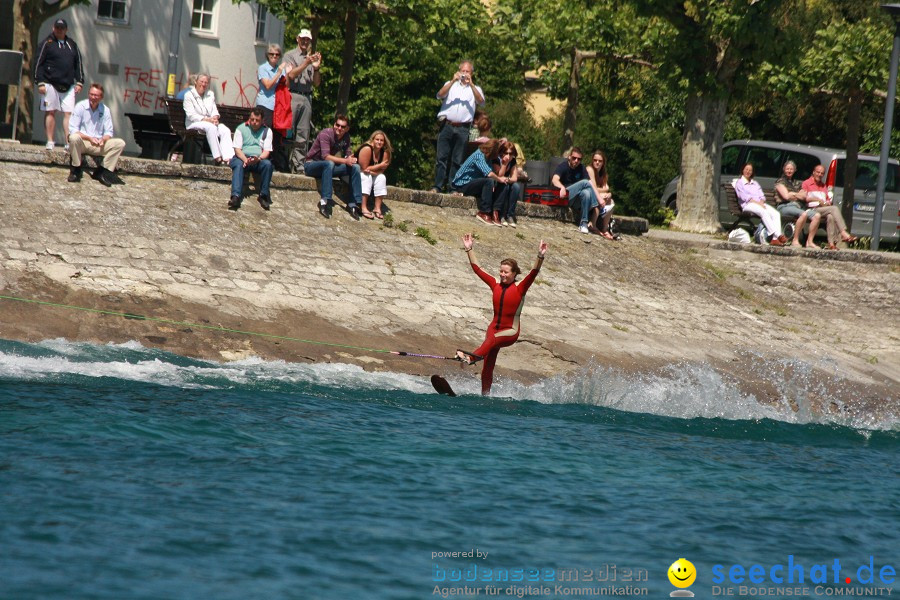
point(459, 98)
point(252, 146)
point(59, 76)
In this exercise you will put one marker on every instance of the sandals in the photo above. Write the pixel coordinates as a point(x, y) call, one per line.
point(368, 215)
point(378, 215)
point(850, 239)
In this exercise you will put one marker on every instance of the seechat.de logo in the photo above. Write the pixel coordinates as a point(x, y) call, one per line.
point(682, 574)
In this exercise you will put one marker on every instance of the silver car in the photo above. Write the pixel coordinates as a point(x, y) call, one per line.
point(769, 157)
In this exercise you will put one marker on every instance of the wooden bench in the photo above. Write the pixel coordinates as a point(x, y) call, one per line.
point(152, 133)
point(230, 116)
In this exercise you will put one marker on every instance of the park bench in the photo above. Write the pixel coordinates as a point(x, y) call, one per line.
point(230, 116)
point(751, 219)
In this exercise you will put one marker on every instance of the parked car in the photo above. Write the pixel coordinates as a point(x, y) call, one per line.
point(768, 158)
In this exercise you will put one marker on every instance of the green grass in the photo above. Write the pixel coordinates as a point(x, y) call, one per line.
point(718, 272)
point(423, 233)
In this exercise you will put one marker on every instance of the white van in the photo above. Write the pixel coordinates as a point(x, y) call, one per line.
point(768, 158)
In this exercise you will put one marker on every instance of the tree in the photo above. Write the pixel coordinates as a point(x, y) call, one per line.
point(846, 61)
point(561, 37)
point(714, 43)
point(427, 14)
point(402, 51)
point(27, 18)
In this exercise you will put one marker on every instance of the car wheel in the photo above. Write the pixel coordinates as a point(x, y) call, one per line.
point(788, 230)
point(672, 204)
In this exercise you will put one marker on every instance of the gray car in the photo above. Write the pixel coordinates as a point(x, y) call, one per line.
point(769, 157)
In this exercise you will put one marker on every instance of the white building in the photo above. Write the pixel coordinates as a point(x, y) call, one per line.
point(125, 47)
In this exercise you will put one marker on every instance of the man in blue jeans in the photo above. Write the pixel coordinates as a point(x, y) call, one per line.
point(573, 181)
point(458, 97)
point(252, 146)
point(330, 156)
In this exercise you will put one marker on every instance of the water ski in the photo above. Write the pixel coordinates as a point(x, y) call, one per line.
point(441, 386)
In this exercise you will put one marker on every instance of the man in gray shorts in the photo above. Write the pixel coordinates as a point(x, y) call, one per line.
point(790, 198)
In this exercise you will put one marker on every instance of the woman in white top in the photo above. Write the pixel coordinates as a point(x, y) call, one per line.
point(200, 112)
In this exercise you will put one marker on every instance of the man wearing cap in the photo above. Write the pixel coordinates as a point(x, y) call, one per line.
point(458, 97)
point(59, 75)
point(303, 77)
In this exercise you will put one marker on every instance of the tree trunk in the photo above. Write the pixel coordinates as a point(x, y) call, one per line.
point(701, 160)
point(850, 167)
point(351, 25)
point(572, 100)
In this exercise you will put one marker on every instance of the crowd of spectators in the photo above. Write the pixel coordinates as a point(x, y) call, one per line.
point(469, 161)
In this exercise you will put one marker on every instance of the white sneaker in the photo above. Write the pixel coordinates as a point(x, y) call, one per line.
point(66, 148)
point(583, 229)
point(50, 145)
point(504, 223)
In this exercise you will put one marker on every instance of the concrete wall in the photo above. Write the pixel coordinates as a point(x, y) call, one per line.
point(130, 58)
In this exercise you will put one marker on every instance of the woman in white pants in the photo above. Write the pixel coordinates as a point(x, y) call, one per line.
point(374, 158)
point(200, 112)
point(753, 200)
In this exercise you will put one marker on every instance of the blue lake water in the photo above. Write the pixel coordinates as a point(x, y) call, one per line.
point(129, 473)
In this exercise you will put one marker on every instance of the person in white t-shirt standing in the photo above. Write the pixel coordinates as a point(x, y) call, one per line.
point(459, 98)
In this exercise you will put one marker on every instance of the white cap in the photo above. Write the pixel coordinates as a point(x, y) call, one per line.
point(304, 33)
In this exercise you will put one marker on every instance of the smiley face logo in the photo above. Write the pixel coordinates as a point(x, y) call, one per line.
point(682, 573)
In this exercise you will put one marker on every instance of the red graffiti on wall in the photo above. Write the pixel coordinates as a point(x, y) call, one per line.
point(145, 89)
point(242, 98)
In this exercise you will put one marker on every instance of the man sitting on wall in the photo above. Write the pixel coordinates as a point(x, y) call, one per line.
point(331, 156)
point(573, 181)
point(91, 132)
point(252, 146)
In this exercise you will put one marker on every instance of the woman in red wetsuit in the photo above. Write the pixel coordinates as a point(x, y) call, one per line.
point(509, 297)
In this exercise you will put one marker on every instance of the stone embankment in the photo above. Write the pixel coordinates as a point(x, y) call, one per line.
point(163, 245)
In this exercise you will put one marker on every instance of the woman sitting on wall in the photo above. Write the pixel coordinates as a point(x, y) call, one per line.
point(374, 158)
point(600, 181)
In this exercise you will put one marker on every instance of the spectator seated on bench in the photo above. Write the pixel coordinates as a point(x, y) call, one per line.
point(753, 200)
point(201, 114)
point(330, 157)
point(790, 202)
point(230, 116)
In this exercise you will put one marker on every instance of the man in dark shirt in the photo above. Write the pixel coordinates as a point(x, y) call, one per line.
point(330, 156)
point(59, 75)
point(574, 182)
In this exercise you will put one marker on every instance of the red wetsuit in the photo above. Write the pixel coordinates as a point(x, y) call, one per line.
point(504, 328)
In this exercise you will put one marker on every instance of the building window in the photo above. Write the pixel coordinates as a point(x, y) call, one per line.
point(202, 15)
point(261, 13)
point(113, 10)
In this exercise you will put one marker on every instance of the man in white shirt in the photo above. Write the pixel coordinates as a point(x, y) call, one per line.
point(91, 132)
point(459, 97)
